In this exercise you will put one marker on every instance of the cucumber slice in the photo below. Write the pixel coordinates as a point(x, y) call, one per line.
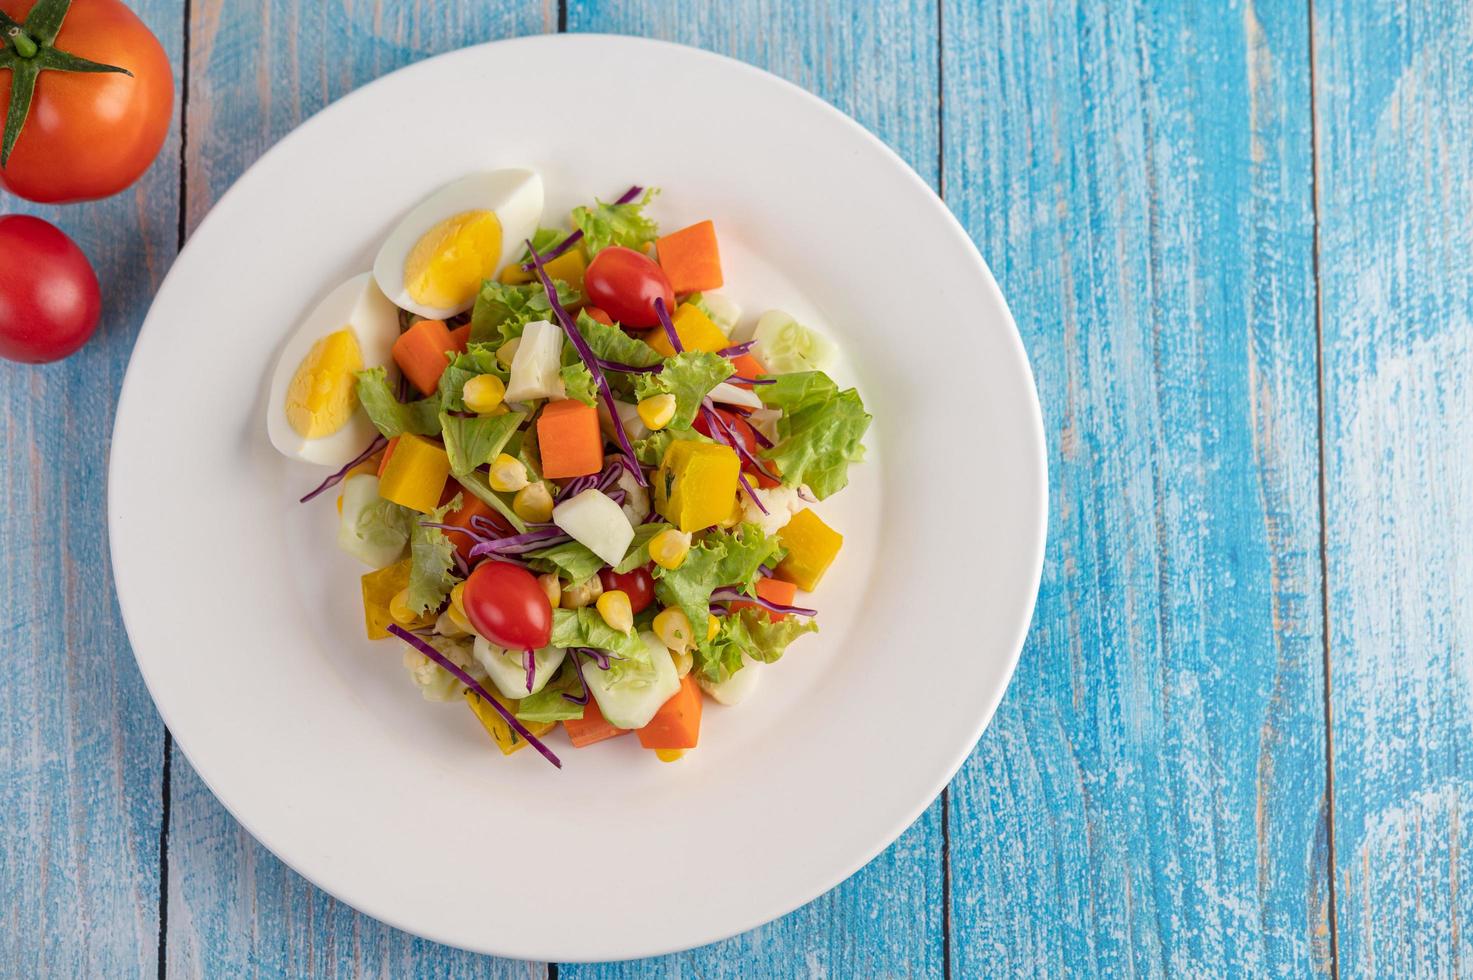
point(507, 672)
point(736, 688)
point(785, 346)
point(372, 529)
point(630, 695)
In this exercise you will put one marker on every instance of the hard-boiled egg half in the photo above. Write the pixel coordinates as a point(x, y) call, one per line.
point(313, 412)
point(434, 261)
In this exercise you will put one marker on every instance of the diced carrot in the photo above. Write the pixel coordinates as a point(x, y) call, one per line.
point(420, 354)
point(471, 506)
point(677, 725)
point(388, 451)
point(591, 728)
point(597, 314)
point(569, 440)
point(460, 337)
point(748, 367)
point(773, 590)
point(690, 258)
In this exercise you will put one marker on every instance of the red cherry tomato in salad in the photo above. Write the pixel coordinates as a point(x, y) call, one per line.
point(49, 300)
point(625, 284)
point(507, 606)
point(637, 585)
point(746, 437)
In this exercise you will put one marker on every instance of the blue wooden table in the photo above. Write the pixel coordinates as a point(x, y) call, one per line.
point(1238, 241)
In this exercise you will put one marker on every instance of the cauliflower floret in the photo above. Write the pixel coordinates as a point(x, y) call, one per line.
point(435, 683)
point(781, 503)
point(636, 503)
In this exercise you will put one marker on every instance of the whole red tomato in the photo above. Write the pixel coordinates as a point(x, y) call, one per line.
point(624, 284)
point(49, 300)
point(88, 134)
point(507, 606)
point(638, 585)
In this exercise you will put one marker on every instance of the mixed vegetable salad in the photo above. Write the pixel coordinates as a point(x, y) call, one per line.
point(587, 488)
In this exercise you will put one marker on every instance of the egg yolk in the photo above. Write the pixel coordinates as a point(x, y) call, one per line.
point(323, 392)
point(446, 266)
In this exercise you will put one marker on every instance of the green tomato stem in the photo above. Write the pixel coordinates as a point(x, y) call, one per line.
point(21, 41)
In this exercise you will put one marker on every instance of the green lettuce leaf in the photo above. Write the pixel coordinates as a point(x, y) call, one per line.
point(469, 442)
point(639, 549)
point(651, 449)
point(578, 383)
point(393, 417)
point(688, 376)
point(613, 344)
point(752, 632)
point(478, 359)
point(479, 486)
point(586, 628)
point(544, 240)
point(570, 559)
point(431, 558)
point(616, 224)
point(820, 431)
point(716, 559)
point(548, 704)
point(501, 311)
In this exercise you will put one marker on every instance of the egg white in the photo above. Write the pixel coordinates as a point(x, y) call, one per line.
point(359, 305)
point(514, 196)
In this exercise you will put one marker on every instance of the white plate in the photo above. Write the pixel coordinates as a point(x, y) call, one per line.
point(245, 619)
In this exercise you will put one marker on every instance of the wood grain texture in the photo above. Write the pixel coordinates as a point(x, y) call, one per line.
point(1395, 138)
point(256, 71)
point(1150, 797)
point(81, 746)
point(878, 63)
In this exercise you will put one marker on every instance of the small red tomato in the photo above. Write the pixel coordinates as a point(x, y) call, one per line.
point(49, 300)
point(507, 606)
point(625, 284)
point(637, 585)
point(745, 436)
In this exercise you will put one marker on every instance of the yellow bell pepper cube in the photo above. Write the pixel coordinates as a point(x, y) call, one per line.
point(696, 484)
point(695, 330)
point(506, 738)
point(415, 474)
point(812, 547)
point(379, 589)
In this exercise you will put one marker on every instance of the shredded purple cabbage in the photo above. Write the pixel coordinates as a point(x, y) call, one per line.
point(767, 571)
point(629, 368)
point(729, 594)
point(600, 657)
point(378, 443)
point(589, 361)
point(737, 350)
point(470, 682)
point(529, 664)
point(668, 325)
point(740, 380)
point(520, 544)
point(461, 568)
point(762, 440)
point(577, 235)
point(576, 486)
point(723, 434)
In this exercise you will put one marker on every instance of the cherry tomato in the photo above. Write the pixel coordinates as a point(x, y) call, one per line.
point(49, 300)
point(90, 134)
point(597, 314)
point(507, 606)
point(745, 436)
point(625, 284)
point(637, 585)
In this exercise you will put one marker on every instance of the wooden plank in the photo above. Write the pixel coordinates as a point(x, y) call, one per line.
point(1395, 137)
point(81, 746)
point(1149, 799)
point(877, 62)
point(256, 71)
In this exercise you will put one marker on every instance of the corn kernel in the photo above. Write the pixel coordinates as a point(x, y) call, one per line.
point(399, 608)
point(552, 587)
point(578, 596)
point(683, 662)
point(713, 626)
point(483, 393)
point(459, 620)
point(507, 351)
point(508, 474)
point(669, 755)
point(533, 503)
point(669, 548)
point(656, 411)
point(614, 607)
point(673, 629)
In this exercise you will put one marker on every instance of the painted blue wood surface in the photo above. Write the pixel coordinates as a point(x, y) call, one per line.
point(81, 747)
point(1395, 138)
point(1152, 796)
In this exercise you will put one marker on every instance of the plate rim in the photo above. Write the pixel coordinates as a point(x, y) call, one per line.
point(1017, 631)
